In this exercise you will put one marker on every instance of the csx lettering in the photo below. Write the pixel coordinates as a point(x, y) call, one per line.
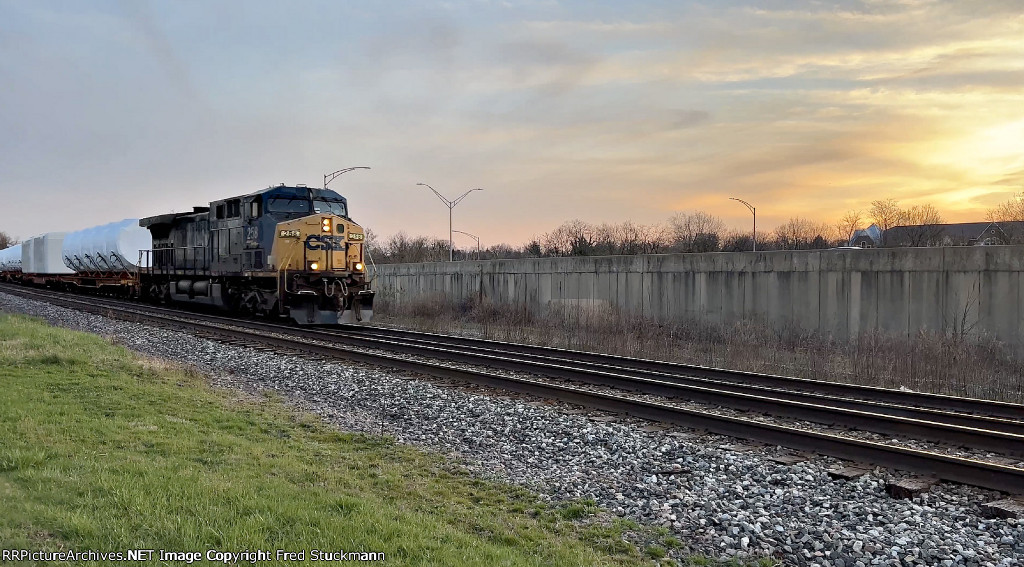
point(320, 242)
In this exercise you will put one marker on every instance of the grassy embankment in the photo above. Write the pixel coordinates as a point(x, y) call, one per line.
point(101, 450)
point(978, 367)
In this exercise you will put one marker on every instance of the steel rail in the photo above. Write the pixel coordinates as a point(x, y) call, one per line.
point(956, 469)
point(628, 379)
point(944, 402)
point(985, 439)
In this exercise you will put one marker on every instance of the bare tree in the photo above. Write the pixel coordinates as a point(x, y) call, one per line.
point(923, 225)
point(6, 240)
point(695, 232)
point(572, 238)
point(848, 224)
point(801, 234)
point(372, 246)
point(1011, 211)
point(653, 238)
point(886, 214)
point(741, 241)
point(605, 240)
point(401, 248)
point(504, 251)
point(628, 238)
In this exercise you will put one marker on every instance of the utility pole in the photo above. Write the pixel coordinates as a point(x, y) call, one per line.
point(450, 203)
point(474, 237)
point(754, 212)
point(338, 173)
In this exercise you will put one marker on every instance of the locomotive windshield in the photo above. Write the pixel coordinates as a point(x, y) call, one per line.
point(297, 201)
point(324, 206)
point(288, 204)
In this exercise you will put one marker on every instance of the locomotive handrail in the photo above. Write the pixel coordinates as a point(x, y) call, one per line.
point(163, 260)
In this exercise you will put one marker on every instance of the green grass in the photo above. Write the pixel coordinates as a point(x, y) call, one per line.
point(102, 450)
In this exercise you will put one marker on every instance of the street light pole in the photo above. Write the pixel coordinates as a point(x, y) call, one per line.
point(451, 205)
point(474, 237)
point(754, 212)
point(338, 173)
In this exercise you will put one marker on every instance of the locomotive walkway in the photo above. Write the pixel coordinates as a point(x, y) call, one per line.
point(976, 424)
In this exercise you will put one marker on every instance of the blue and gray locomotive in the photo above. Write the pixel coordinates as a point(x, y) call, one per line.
point(285, 251)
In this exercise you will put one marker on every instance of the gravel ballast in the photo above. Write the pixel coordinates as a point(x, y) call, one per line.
point(715, 501)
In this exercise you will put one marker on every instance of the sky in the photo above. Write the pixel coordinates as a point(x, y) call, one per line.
point(596, 110)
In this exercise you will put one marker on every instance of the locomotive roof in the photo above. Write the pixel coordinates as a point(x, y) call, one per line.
point(170, 217)
point(294, 190)
point(282, 189)
point(290, 191)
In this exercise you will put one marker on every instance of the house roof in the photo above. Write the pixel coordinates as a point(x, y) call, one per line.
point(872, 232)
point(962, 231)
point(957, 231)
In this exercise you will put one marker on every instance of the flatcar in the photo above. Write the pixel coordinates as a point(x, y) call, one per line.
point(288, 251)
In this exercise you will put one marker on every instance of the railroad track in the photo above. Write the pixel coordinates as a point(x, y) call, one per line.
point(900, 397)
point(979, 424)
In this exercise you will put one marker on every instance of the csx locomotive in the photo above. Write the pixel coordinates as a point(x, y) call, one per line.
point(284, 251)
point(290, 252)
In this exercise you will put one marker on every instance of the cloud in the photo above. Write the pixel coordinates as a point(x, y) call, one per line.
point(689, 118)
point(157, 43)
point(549, 67)
point(621, 27)
point(599, 111)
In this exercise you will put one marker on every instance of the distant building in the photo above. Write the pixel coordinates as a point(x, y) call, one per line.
point(955, 234)
point(870, 237)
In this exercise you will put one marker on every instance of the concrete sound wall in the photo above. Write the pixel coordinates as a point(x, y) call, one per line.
point(841, 293)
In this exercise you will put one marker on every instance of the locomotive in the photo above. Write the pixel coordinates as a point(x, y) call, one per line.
point(287, 251)
point(283, 251)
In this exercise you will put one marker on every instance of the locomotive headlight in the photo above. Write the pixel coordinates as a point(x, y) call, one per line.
point(325, 225)
point(314, 266)
point(359, 266)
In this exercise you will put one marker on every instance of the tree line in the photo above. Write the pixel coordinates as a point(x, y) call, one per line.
point(696, 231)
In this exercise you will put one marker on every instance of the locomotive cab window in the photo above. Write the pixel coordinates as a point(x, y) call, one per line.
point(234, 208)
point(288, 205)
point(220, 211)
point(329, 206)
point(255, 209)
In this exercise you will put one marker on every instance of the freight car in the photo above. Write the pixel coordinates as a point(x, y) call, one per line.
point(288, 251)
point(102, 259)
point(41, 259)
point(10, 264)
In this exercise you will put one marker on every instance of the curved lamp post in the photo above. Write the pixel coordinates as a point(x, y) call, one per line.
point(474, 237)
point(754, 212)
point(450, 203)
point(328, 177)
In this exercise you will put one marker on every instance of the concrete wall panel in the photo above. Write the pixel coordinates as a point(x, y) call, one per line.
point(835, 292)
point(999, 305)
